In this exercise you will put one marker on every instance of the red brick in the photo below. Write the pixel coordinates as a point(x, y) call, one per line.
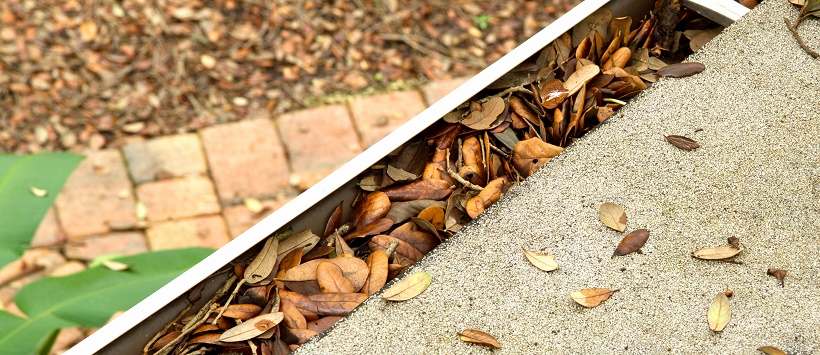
point(207, 231)
point(438, 89)
point(96, 195)
point(165, 157)
point(240, 219)
point(246, 159)
point(49, 233)
point(178, 198)
point(377, 116)
point(122, 243)
point(318, 141)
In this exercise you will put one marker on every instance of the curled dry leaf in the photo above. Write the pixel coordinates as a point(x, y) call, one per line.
point(613, 216)
point(334, 221)
point(434, 215)
point(479, 337)
point(533, 153)
point(371, 208)
point(717, 253)
point(542, 261)
point(592, 297)
point(771, 350)
point(682, 142)
point(488, 196)
point(374, 228)
point(430, 189)
point(778, 274)
point(681, 70)
point(262, 265)
point(252, 327)
point(411, 286)
point(377, 277)
point(331, 279)
point(720, 313)
point(632, 242)
point(38, 192)
point(422, 240)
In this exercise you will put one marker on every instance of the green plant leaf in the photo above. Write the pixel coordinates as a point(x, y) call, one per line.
point(90, 297)
point(22, 210)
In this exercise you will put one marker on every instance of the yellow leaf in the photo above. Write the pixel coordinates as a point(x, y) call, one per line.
point(408, 288)
point(717, 253)
point(38, 192)
point(252, 328)
point(719, 313)
point(542, 261)
point(479, 337)
point(592, 297)
point(613, 216)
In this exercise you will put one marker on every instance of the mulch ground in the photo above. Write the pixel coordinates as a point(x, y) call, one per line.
point(83, 74)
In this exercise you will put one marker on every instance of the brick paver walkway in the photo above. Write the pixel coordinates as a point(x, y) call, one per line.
point(188, 189)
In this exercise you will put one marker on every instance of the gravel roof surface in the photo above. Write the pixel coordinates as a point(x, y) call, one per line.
point(756, 176)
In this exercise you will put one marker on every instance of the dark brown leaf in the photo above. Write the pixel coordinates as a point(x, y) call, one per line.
point(682, 142)
point(305, 306)
point(419, 190)
point(334, 221)
point(404, 250)
point(681, 70)
point(322, 324)
point(374, 228)
point(370, 209)
point(552, 93)
point(292, 317)
point(488, 196)
point(423, 241)
point(632, 242)
point(778, 274)
point(533, 153)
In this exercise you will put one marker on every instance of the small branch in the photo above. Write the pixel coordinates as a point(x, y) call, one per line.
point(461, 180)
point(498, 151)
point(393, 245)
point(228, 302)
point(806, 48)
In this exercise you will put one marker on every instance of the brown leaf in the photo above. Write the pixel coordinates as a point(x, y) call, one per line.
point(330, 278)
point(333, 222)
point(519, 107)
point(733, 241)
point(354, 269)
point(377, 276)
point(682, 142)
point(580, 77)
point(434, 215)
point(681, 70)
point(542, 261)
point(552, 93)
point(297, 336)
point(292, 317)
point(618, 59)
point(263, 264)
point(304, 239)
point(479, 337)
point(423, 241)
point(778, 274)
point(620, 28)
point(316, 253)
point(337, 304)
point(241, 311)
point(371, 208)
point(487, 115)
point(402, 211)
point(488, 196)
point(374, 228)
point(404, 250)
point(322, 324)
point(613, 216)
point(531, 154)
point(720, 313)
point(252, 327)
point(411, 286)
point(604, 113)
point(472, 168)
point(592, 297)
point(771, 350)
point(342, 248)
point(419, 190)
point(305, 306)
point(632, 242)
point(409, 163)
point(717, 253)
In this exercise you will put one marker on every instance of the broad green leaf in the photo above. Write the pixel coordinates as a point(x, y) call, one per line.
point(90, 297)
point(21, 210)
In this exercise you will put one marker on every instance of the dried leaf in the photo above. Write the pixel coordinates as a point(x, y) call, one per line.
point(720, 313)
point(343, 249)
point(402, 211)
point(337, 304)
point(306, 307)
point(592, 297)
point(263, 264)
point(409, 164)
point(552, 93)
point(597, 21)
point(88, 31)
point(118, 266)
point(434, 215)
point(531, 154)
point(374, 228)
point(241, 311)
point(632, 242)
point(613, 216)
point(717, 253)
point(354, 269)
point(542, 261)
point(778, 274)
point(620, 27)
point(369, 209)
point(419, 190)
point(404, 250)
point(472, 168)
point(292, 317)
point(316, 253)
point(411, 286)
point(682, 142)
point(619, 59)
point(252, 327)
point(486, 116)
point(580, 77)
point(771, 350)
point(304, 239)
point(488, 196)
point(479, 337)
point(331, 279)
point(377, 276)
point(681, 70)
point(422, 240)
point(38, 192)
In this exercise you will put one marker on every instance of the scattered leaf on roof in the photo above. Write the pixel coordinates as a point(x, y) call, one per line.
point(717, 253)
point(778, 274)
point(682, 142)
point(681, 70)
point(720, 313)
point(411, 286)
point(592, 297)
point(771, 350)
point(542, 261)
point(479, 337)
point(632, 242)
point(613, 216)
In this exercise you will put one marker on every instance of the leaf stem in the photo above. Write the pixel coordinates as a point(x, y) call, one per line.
point(806, 48)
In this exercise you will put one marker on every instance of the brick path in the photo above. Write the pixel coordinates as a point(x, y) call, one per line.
point(188, 189)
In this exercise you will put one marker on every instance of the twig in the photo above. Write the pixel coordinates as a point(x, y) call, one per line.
point(461, 180)
point(228, 302)
point(806, 48)
point(393, 245)
point(499, 151)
